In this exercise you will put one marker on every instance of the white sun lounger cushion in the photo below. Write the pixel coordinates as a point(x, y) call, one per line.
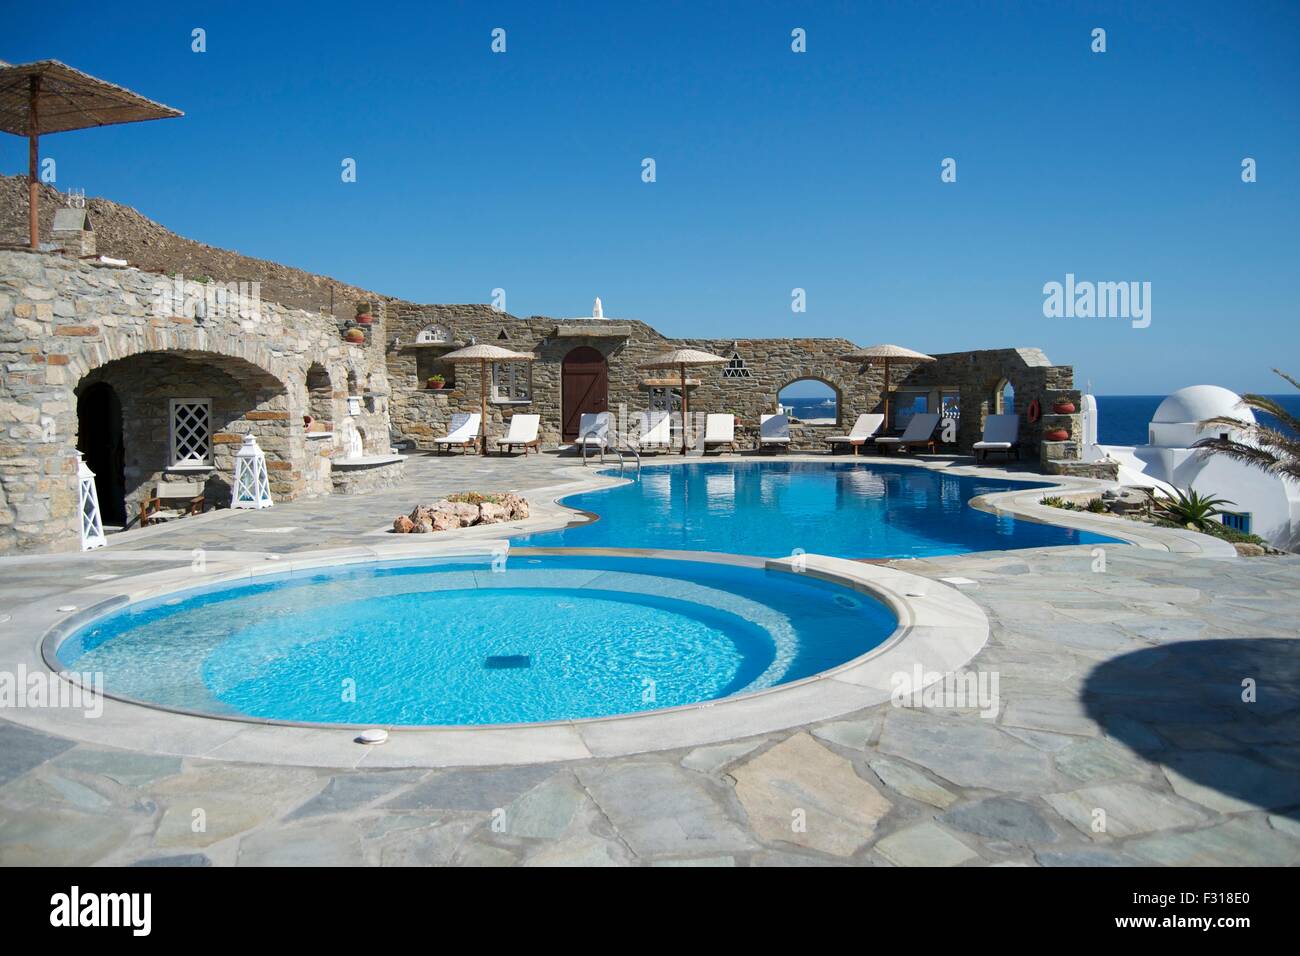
point(464, 426)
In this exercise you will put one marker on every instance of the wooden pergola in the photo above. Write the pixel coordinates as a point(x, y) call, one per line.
point(51, 97)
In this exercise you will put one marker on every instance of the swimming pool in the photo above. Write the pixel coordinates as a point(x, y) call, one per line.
point(841, 509)
point(455, 642)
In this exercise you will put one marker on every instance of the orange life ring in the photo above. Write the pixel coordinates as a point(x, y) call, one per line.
point(1035, 411)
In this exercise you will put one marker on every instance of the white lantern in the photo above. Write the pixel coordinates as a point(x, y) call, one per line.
point(252, 489)
point(92, 528)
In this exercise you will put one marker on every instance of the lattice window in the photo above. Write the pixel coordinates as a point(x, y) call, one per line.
point(512, 382)
point(191, 428)
point(664, 400)
point(736, 368)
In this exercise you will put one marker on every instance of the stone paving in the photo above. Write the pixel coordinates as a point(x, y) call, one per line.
point(1149, 715)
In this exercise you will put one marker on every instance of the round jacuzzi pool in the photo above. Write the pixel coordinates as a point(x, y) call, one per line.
point(461, 642)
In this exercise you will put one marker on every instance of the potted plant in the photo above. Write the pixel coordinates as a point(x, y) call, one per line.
point(354, 336)
point(435, 381)
point(1057, 434)
point(1063, 406)
point(364, 315)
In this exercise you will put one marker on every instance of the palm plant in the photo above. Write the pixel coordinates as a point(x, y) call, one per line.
point(1187, 509)
point(1272, 450)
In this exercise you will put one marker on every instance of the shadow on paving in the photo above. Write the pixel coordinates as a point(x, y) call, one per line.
point(1187, 707)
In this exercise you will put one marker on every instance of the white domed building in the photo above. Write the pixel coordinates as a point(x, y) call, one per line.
point(1263, 504)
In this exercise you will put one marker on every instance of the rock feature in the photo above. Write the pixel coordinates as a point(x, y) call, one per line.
point(462, 511)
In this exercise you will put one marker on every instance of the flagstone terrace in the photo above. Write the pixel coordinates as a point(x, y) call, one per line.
point(1185, 770)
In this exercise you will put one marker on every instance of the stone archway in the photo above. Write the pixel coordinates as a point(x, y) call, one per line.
point(1002, 400)
point(818, 390)
point(99, 439)
point(184, 414)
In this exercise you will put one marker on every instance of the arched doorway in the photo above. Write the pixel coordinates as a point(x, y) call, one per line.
point(181, 414)
point(1004, 398)
point(584, 387)
point(99, 439)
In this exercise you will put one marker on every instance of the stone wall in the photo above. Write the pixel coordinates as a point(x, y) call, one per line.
point(126, 233)
point(66, 325)
point(420, 415)
point(352, 480)
point(978, 377)
point(244, 399)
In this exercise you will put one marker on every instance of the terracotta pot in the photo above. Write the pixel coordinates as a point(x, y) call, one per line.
point(355, 336)
point(1057, 434)
point(365, 319)
point(437, 385)
point(1063, 406)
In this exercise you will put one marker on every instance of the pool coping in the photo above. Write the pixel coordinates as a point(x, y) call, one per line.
point(939, 630)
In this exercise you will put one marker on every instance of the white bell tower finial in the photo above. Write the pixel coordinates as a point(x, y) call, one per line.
point(597, 310)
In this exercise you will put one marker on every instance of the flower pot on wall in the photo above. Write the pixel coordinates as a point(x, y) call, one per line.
point(355, 336)
point(1057, 434)
point(1063, 406)
point(365, 319)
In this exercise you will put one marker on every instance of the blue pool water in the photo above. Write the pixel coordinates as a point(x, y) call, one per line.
point(844, 509)
point(456, 643)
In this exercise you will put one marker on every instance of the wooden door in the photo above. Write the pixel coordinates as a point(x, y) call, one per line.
point(584, 387)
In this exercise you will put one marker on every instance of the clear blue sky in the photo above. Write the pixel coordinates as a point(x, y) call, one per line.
point(775, 170)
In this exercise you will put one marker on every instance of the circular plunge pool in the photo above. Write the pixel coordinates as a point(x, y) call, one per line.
point(455, 642)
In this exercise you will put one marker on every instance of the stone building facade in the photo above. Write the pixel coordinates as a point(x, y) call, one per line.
point(91, 362)
point(974, 383)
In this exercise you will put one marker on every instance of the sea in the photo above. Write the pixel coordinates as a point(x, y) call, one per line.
point(1121, 419)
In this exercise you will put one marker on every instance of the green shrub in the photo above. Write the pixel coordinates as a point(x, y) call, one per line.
point(1056, 501)
point(1186, 509)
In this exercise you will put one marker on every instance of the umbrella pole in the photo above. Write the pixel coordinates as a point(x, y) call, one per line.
point(482, 418)
point(886, 393)
point(686, 409)
point(33, 161)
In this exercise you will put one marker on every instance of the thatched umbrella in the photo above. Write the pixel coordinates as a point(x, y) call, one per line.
point(51, 97)
point(680, 358)
point(483, 354)
point(883, 355)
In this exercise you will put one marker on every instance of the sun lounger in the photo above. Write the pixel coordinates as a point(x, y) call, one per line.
point(720, 429)
point(863, 431)
point(918, 434)
point(593, 430)
point(655, 431)
point(1001, 433)
point(522, 434)
point(774, 431)
point(463, 433)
